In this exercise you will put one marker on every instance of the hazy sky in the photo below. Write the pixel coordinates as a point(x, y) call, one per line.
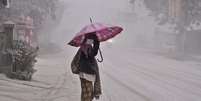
point(115, 12)
point(78, 12)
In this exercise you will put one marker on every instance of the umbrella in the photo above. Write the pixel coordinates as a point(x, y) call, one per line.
point(103, 32)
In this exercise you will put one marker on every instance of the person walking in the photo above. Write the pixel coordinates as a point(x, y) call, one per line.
point(88, 68)
point(84, 63)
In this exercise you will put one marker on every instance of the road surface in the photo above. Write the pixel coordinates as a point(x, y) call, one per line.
point(126, 75)
point(132, 76)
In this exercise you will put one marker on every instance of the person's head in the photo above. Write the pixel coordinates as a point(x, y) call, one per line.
point(89, 41)
point(89, 38)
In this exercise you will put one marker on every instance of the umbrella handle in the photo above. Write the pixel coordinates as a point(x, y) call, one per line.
point(101, 56)
point(91, 20)
point(99, 48)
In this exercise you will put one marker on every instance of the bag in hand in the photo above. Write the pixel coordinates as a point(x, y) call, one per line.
point(75, 67)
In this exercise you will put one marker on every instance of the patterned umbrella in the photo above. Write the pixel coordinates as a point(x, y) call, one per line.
point(103, 32)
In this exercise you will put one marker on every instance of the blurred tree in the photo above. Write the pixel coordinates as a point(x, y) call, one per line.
point(39, 10)
point(183, 13)
point(159, 9)
point(46, 14)
point(5, 3)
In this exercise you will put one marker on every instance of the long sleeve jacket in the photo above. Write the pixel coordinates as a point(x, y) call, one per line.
point(88, 63)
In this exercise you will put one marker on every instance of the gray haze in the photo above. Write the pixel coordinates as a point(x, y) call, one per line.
point(114, 12)
point(140, 64)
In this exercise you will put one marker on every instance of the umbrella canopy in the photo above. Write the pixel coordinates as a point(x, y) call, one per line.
point(103, 32)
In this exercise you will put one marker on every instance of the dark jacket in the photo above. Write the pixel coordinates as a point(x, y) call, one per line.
point(88, 64)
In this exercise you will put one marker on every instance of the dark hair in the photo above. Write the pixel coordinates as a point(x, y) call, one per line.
point(90, 36)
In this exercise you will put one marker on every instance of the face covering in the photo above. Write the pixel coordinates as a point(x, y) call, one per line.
point(89, 41)
point(86, 47)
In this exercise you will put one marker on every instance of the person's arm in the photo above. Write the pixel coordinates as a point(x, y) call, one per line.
point(94, 50)
point(96, 47)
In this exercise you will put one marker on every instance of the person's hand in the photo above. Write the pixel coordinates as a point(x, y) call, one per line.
point(97, 97)
point(96, 41)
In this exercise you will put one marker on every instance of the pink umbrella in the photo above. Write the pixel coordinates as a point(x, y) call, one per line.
point(103, 32)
